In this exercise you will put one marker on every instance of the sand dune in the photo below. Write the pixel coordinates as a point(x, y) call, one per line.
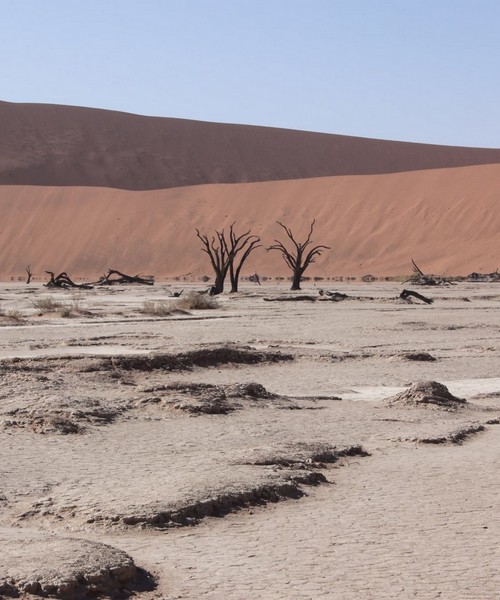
point(446, 219)
point(71, 146)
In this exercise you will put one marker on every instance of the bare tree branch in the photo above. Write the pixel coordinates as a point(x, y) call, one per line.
point(223, 250)
point(298, 259)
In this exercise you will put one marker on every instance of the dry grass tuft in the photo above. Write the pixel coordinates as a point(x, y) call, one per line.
point(160, 308)
point(13, 315)
point(47, 304)
point(196, 301)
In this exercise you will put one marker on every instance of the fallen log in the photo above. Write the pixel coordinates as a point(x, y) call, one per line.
point(420, 278)
point(406, 294)
point(333, 296)
point(65, 282)
point(301, 298)
point(114, 277)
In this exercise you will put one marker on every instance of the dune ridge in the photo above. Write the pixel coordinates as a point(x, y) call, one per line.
point(446, 219)
point(52, 145)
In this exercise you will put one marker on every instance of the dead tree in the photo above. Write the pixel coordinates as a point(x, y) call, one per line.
point(222, 252)
point(245, 243)
point(217, 251)
point(113, 277)
point(301, 256)
point(65, 282)
point(30, 274)
point(420, 278)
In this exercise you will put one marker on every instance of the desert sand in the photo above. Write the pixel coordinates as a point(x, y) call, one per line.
point(253, 449)
point(446, 219)
point(85, 190)
point(257, 449)
point(43, 144)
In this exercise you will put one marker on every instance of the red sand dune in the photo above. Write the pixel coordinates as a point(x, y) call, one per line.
point(51, 145)
point(446, 219)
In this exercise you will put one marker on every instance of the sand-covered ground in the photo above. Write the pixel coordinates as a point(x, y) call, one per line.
point(257, 449)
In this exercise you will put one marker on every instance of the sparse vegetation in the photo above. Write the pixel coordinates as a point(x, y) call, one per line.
point(159, 308)
point(47, 304)
point(191, 301)
point(195, 301)
point(13, 314)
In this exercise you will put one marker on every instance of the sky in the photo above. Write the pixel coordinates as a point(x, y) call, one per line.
point(413, 70)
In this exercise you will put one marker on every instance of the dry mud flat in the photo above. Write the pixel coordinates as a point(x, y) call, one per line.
point(308, 449)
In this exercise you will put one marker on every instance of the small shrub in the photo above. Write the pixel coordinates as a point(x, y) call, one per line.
point(47, 304)
point(193, 300)
point(76, 302)
point(14, 314)
point(158, 309)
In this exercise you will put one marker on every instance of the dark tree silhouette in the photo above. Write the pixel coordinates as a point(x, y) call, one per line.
point(245, 243)
point(301, 256)
point(63, 280)
point(222, 252)
point(216, 249)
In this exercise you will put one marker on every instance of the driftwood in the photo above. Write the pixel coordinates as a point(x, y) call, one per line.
point(64, 281)
point(113, 277)
point(405, 294)
point(333, 296)
point(302, 298)
point(483, 277)
point(419, 277)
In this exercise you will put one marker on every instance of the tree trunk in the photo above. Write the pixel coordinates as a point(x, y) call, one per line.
point(297, 276)
point(233, 275)
point(218, 286)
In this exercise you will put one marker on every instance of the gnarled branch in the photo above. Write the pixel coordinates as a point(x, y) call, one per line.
point(299, 258)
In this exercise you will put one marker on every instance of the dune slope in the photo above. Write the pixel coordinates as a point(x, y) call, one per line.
point(446, 219)
point(55, 145)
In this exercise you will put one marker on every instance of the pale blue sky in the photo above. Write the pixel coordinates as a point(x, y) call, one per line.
point(417, 70)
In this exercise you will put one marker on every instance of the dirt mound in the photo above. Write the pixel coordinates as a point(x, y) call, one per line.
point(200, 398)
point(454, 437)
point(426, 393)
point(207, 357)
point(305, 455)
point(416, 356)
point(64, 568)
point(207, 398)
point(249, 390)
point(224, 503)
point(60, 416)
